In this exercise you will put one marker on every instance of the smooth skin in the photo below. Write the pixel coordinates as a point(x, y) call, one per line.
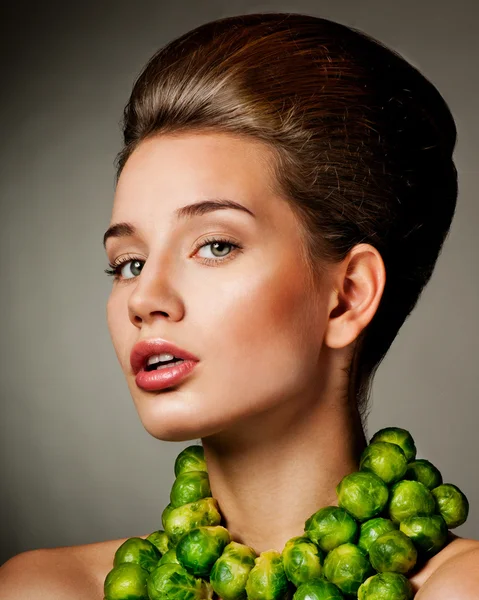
point(268, 397)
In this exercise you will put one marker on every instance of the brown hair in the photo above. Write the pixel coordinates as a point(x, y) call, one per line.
point(362, 142)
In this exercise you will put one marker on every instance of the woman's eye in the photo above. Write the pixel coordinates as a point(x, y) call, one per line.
point(117, 269)
point(133, 265)
point(218, 247)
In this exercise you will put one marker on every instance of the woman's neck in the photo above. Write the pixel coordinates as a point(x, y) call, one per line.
point(275, 471)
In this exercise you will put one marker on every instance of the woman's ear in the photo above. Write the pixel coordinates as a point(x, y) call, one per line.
point(357, 286)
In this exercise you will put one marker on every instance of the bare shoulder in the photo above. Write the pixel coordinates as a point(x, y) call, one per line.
point(97, 558)
point(70, 572)
point(444, 562)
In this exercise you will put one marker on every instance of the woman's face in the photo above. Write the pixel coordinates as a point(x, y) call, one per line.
point(246, 313)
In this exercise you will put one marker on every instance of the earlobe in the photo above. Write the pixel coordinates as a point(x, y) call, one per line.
point(359, 285)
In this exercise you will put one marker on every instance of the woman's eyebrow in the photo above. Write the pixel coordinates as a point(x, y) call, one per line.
point(185, 212)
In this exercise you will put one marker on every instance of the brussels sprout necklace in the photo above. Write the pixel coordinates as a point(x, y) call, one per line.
point(392, 515)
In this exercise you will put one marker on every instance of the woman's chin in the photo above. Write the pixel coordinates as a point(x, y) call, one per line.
point(177, 432)
point(176, 424)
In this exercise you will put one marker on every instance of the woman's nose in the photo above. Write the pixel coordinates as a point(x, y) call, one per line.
point(154, 296)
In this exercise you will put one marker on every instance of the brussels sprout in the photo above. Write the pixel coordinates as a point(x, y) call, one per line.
point(169, 558)
point(362, 494)
point(173, 582)
point(452, 504)
point(126, 580)
point(408, 498)
point(396, 435)
point(424, 471)
point(347, 566)
point(330, 527)
point(160, 540)
point(200, 548)
point(180, 520)
point(372, 529)
point(302, 560)
point(429, 534)
point(164, 515)
point(267, 579)
point(230, 572)
point(386, 460)
point(318, 589)
point(386, 586)
point(190, 459)
point(139, 551)
point(190, 486)
point(393, 551)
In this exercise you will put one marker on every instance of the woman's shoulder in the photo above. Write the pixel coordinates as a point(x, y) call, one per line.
point(445, 564)
point(69, 572)
point(97, 558)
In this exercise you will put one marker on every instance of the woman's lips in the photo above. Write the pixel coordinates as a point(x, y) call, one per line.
point(142, 350)
point(165, 377)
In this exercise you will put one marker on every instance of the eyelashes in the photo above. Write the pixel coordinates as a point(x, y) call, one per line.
point(116, 267)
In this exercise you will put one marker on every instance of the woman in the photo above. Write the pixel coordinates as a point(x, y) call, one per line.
point(283, 194)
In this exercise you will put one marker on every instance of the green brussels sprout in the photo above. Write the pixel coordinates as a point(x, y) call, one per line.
point(396, 435)
point(386, 460)
point(126, 580)
point(362, 494)
point(330, 527)
point(408, 498)
point(173, 582)
point(429, 534)
point(386, 586)
point(393, 551)
point(230, 572)
point(160, 540)
point(267, 579)
point(372, 529)
point(191, 458)
point(318, 589)
point(169, 558)
point(200, 548)
point(424, 471)
point(180, 520)
point(452, 504)
point(302, 560)
point(190, 486)
point(139, 551)
point(164, 515)
point(347, 566)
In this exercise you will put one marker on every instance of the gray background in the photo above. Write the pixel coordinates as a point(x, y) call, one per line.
point(76, 465)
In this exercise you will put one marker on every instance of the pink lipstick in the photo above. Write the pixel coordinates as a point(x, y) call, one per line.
point(156, 376)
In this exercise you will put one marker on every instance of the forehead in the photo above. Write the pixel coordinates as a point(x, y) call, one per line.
point(180, 168)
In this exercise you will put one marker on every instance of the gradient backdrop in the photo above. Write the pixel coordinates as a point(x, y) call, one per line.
point(76, 465)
